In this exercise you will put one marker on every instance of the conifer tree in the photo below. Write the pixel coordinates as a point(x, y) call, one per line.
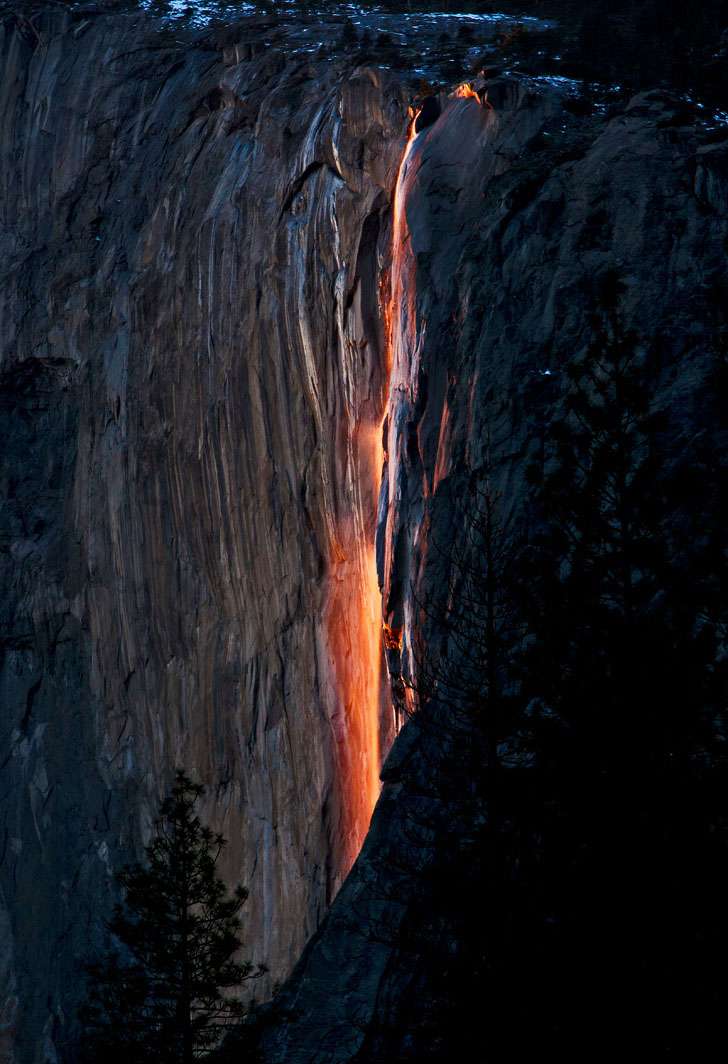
point(164, 992)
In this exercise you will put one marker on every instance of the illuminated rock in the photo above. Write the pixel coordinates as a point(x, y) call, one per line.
point(193, 390)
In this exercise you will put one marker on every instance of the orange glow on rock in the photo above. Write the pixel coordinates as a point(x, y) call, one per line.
point(353, 626)
point(354, 607)
point(465, 91)
point(398, 306)
point(392, 637)
point(391, 297)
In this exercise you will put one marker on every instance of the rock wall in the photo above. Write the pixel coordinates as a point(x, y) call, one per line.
point(511, 213)
point(197, 323)
point(193, 233)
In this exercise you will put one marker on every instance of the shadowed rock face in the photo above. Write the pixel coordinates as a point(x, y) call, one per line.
point(509, 217)
point(192, 239)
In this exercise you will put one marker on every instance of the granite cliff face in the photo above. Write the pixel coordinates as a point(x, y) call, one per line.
point(192, 239)
point(199, 320)
point(510, 213)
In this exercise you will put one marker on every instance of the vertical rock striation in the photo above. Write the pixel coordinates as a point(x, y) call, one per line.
point(193, 232)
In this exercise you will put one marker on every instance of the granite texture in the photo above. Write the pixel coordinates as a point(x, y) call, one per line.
point(193, 231)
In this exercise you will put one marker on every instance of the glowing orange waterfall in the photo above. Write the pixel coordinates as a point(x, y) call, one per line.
point(354, 608)
point(400, 326)
point(354, 636)
point(399, 234)
point(360, 631)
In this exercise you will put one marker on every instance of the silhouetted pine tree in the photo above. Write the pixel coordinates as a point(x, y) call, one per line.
point(162, 994)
